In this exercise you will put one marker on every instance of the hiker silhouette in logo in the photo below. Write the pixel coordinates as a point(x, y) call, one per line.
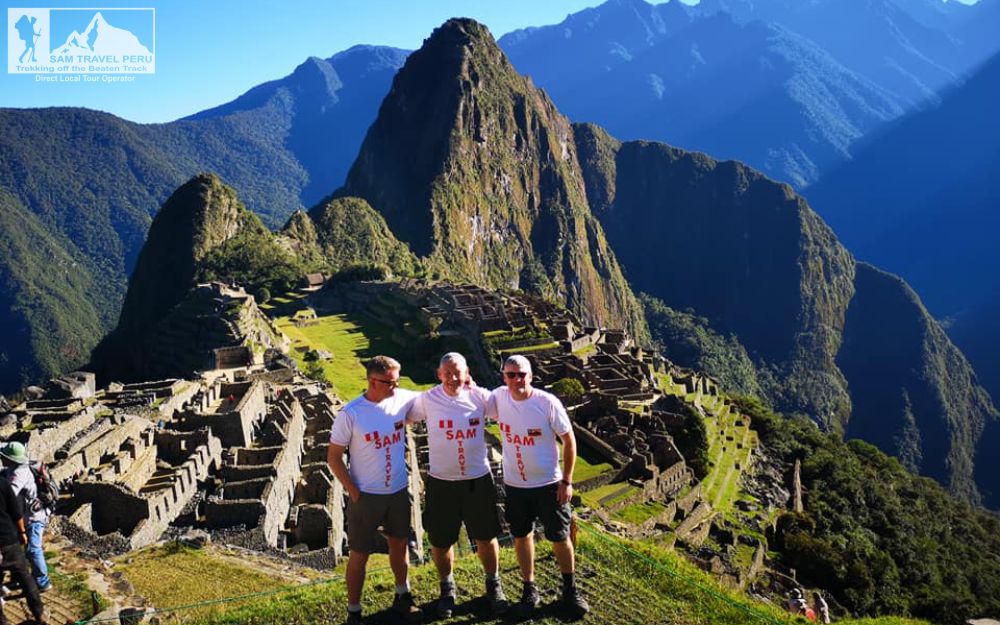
point(26, 32)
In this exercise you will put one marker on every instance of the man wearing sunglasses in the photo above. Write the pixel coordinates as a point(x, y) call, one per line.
point(371, 428)
point(459, 484)
point(531, 421)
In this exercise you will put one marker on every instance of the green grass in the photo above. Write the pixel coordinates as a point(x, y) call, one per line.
point(639, 512)
point(528, 348)
point(592, 498)
point(584, 470)
point(624, 581)
point(352, 339)
point(175, 575)
point(721, 485)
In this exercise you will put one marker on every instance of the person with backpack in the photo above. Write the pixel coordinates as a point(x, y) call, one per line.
point(32, 484)
point(12, 536)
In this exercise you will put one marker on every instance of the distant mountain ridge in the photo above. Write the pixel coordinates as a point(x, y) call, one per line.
point(784, 86)
point(285, 144)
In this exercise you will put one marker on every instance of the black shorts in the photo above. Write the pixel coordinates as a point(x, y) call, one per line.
point(391, 512)
point(524, 505)
point(449, 503)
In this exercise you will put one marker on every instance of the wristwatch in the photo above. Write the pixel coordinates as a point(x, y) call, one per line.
point(566, 482)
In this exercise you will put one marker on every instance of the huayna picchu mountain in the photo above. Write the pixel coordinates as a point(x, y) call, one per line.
point(477, 171)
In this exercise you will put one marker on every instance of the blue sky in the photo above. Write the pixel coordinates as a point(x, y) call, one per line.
point(209, 52)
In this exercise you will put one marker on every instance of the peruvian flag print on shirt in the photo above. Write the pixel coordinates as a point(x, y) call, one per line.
point(528, 431)
point(375, 438)
point(456, 426)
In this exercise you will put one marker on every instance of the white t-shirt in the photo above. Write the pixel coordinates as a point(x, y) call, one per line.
point(456, 429)
point(375, 436)
point(528, 430)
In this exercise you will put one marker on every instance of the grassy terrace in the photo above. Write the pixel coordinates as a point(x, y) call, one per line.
point(639, 512)
point(165, 576)
point(351, 339)
point(584, 469)
point(621, 490)
point(721, 484)
point(625, 582)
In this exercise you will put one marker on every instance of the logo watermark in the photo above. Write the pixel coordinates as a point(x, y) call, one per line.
point(81, 41)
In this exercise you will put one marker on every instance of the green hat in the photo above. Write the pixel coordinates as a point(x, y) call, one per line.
point(15, 452)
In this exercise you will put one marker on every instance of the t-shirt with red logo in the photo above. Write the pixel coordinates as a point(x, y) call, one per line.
point(528, 431)
point(375, 437)
point(456, 428)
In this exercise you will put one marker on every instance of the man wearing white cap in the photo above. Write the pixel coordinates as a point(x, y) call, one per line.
point(531, 421)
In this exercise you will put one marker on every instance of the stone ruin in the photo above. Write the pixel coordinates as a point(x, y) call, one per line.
point(242, 457)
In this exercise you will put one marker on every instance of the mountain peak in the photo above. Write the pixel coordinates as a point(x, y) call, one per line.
point(476, 170)
point(316, 78)
point(201, 214)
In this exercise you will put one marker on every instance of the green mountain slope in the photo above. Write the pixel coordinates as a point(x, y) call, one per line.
point(736, 248)
point(827, 337)
point(882, 540)
point(345, 231)
point(929, 414)
point(47, 320)
point(203, 232)
point(474, 168)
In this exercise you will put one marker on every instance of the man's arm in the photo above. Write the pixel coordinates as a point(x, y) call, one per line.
point(335, 458)
point(414, 409)
point(565, 490)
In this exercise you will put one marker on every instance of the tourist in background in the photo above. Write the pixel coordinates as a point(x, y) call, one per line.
point(821, 607)
point(459, 484)
point(531, 421)
point(371, 428)
point(13, 537)
point(17, 471)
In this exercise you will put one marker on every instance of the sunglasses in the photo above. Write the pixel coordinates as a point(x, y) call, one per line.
point(520, 375)
point(389, 383)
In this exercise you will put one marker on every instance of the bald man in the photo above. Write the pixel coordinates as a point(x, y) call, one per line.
point(531, 422)
point(459, 485)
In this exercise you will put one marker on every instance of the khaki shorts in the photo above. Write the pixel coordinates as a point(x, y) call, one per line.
point(364, 518)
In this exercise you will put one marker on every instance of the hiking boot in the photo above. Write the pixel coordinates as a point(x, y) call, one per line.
point(445, 605)
point(574, 603)
point(406, 607)
point(498, 601)
point(45, 588)
point(354, 618)
point(529, 600)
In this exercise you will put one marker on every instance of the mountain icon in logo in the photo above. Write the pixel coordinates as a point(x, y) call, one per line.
point(101, 38)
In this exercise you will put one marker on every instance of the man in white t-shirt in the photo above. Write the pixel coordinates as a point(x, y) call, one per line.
point(459, 484)
point(372, 429)
point(531, 422)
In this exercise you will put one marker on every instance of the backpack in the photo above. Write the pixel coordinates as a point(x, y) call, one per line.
point(46, 487)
